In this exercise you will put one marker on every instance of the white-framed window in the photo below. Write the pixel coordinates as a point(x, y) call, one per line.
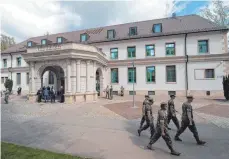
point(2, 80)
point(29, 44)
point(18, 61)
point(111, 34)
point(27, 77)
point(18, 78)
point(5, 63)
point(59, 40)
point(43, 42)
point(203, 74)
point(171, 73)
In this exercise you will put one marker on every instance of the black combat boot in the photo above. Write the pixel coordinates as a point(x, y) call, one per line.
point(176, 138)
point(139, 132)
point(149, 147)
point(199, 142)
point(173, 152)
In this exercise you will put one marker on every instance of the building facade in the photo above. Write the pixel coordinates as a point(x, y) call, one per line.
point(178, 55)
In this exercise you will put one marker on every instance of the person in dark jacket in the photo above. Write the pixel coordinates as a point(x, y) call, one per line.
point(46, 94)
point(39, 95)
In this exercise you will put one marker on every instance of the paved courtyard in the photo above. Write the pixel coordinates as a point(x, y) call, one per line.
point(107, 129)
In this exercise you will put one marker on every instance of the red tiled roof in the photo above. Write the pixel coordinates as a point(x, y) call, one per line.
point(170, 26)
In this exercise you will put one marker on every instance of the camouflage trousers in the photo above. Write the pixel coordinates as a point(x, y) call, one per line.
point(192, 128)
point(148, 125)
point(6, 99)
point(174, 119)
point(142, 121)
point(166, 137)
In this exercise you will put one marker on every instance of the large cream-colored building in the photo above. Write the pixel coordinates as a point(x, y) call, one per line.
point(178, 55)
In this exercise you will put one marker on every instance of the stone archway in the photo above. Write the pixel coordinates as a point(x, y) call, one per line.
point(99, 81)
point(78, 63)
point(57, 70)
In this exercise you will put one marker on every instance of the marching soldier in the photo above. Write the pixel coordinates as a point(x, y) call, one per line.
point(122, 91)
point(161, 130)
point(148, 118)
point(107, 92)
point(172, 112)
point(187, 121)
point(7, 93)
point(143, 111)
point(111, 93)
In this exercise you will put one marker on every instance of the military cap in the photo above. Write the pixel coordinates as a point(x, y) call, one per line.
point(189, 96)
point(163, 103)
point(146, 96)
point(151, 99)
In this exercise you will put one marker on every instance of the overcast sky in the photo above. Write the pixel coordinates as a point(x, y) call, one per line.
point(25, 19)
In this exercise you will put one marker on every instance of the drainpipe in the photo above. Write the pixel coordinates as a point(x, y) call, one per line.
point(186, 65)
point(11, 65)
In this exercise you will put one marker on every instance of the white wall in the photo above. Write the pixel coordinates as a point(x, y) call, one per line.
point(8, 60)
point(205, 84)
point(215, 42)
point(216, 45)
point(14, 60)
point(160, 83)
point(159, 43)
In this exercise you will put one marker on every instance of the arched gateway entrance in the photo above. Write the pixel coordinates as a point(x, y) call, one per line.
point(73, 66)
point(52, 76)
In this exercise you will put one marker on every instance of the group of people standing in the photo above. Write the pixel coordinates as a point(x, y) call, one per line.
point(47, 93)
point(109, 92)
point(163, 119)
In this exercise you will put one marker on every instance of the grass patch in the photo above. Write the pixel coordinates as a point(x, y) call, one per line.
point(12, 151)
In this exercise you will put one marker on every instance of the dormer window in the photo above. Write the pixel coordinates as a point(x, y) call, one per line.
point(133, 31)
point(29, 43)
point(43, 42)
point(59, 40)
point(157, 28)
point(83, 37)
point(110, 34)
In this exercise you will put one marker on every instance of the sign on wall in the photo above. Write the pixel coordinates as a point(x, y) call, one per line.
point(49, 47)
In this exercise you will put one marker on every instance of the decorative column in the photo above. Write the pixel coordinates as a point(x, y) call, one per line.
point(78, 74)
point(94, 81)
point(68, 76)
point(32, 93)
point(94, 75)
point(88, 76)
point(32, 65)
point(68, 95)
point(73, 77)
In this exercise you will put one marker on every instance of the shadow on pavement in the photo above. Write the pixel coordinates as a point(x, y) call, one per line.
point(217, 142)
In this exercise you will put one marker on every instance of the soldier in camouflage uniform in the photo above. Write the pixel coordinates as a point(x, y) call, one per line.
point(143, 111)
point(187, 121)
point(148, 118)
point(107, 92)
point(7, 93)
point(161, 130)
point(172, 112)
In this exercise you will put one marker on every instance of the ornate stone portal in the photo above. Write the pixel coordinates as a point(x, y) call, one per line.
point(75, 66)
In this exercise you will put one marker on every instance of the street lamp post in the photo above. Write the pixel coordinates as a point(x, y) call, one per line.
point(10, 70)
point(134, 106)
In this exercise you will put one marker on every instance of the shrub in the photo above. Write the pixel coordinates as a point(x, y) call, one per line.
point(226, 86)
point(9, 84)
